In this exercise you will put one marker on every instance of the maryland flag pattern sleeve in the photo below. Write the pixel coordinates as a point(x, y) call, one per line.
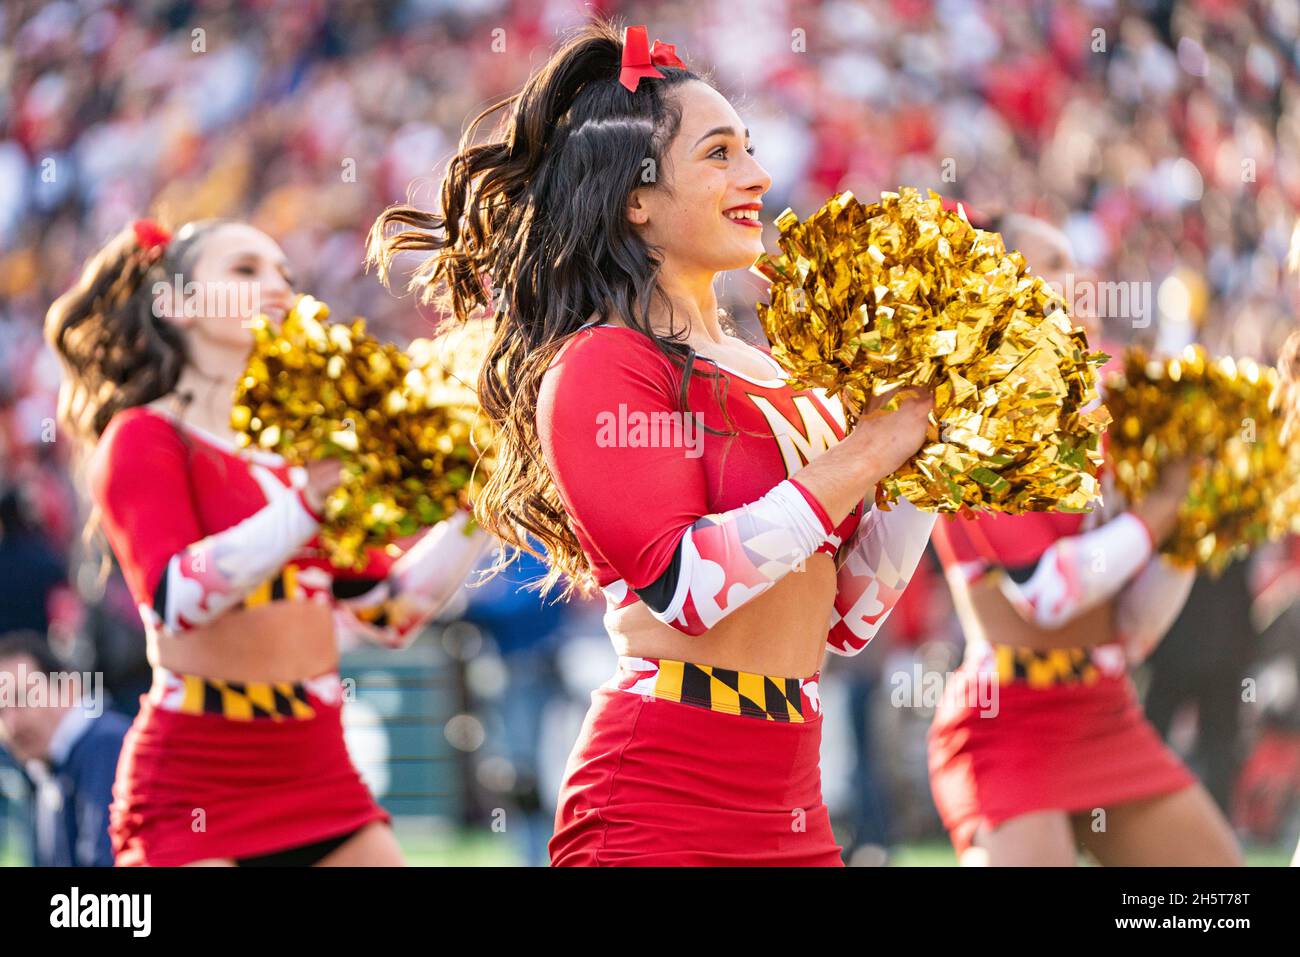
point(691, 522)
point(179, 576)
point(1050, 567)
point(878, 563)
point(417, 587)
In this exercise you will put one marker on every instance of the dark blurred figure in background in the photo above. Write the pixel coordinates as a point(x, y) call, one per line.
point(33, 585)
point(872, 834)
point(113, 633)
point(1201, 663)
point(870, 825)
point(68, 744)
point(526, 632)
point(33, 579)
point(1266, 801)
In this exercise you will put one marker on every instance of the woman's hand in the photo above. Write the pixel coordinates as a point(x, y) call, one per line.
point(323, 477)
point(891, 438)
point(879, 443)
point(1159, 510)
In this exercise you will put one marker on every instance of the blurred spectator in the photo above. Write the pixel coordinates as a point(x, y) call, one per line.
point(68, 744)
point(33, 578)
point(1266, 799)
point(525, 631)
point(872, 829)
point(114, 636)
point(1201, 664)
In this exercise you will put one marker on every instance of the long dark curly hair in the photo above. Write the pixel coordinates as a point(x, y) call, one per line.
point(533, 231)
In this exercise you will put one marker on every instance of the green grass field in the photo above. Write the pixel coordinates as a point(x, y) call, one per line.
point(467, 849)
point(425, 846)
point(489, 851)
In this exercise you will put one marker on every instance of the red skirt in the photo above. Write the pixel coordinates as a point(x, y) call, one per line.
point(196, 786)
point(1071, 747)
point(656, 782)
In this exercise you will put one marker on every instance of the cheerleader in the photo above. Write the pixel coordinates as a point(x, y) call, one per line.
point(237, 755)
point(724, 514)
point(1040, 745)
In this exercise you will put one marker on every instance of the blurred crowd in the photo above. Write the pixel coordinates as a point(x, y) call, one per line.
point(1162, 136)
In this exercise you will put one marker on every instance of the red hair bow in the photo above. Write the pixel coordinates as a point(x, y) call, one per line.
point(640, 59)
point(149, 235)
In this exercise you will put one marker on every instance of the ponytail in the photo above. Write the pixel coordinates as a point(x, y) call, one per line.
point(115, 350)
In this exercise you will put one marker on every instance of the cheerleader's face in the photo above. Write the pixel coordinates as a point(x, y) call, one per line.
point(704, 214)
point(238, 274)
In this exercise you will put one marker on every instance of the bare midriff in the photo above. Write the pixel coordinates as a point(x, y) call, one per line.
point(277, 641)
point(987, 614)
point(781, 633)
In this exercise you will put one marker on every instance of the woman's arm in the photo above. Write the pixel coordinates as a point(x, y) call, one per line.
point(878, 445)
point(418, 587)
point(1078, 572)
point(180, 578)
point(1147, 608)
point(644, 509)
point(879, 560)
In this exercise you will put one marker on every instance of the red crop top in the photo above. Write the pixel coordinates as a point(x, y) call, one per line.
point(200, 527)
point(694, 523)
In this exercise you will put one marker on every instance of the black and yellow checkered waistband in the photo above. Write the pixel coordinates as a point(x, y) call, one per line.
point(236, 700)
point(793, 700)
point(1045, 669)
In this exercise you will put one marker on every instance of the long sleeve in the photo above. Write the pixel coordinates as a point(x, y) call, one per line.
point(641, 511)
point(180, 578)
point(880, 559)
point(418, 587)
point(1148, 606)
point(1050, 569)
point(1079, 572)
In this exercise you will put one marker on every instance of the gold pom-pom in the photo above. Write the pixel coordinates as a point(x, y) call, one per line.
point(866, 298)
point(406, 426)
point(1226, 412)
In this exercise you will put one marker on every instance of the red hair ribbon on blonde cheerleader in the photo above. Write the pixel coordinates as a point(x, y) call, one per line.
point(640, 59)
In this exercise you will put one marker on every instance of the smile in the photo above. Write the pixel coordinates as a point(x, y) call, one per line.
point(744, 217)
